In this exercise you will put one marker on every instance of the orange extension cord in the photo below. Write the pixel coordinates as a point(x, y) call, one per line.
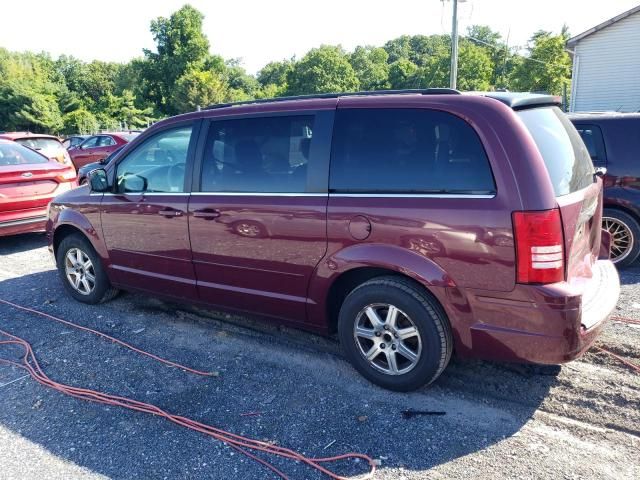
point(237, 442)
point(629, 364)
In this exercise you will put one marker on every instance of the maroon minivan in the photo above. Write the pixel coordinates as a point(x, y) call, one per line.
point(413, 223)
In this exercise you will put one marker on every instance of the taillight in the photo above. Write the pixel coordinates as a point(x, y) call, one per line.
point(66, 159)
point(68, 175)
point(539, 246)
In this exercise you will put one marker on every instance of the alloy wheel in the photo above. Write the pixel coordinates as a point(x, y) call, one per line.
point(387, 338)
point(79, 270)
point(621, 238)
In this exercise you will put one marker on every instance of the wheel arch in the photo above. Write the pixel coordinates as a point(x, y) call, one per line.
point(71, 221)
point(339, 282)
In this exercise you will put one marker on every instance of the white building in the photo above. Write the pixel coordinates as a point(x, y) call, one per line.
point(606, 66)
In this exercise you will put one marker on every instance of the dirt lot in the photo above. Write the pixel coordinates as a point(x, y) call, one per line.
point(581, 420)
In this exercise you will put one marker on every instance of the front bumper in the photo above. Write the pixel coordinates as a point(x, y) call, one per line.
point(542, 324)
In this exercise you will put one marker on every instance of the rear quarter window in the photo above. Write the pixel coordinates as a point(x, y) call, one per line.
point(563, 151)
point(407, 151)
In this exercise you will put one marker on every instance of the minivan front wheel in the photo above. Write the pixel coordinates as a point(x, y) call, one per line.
point(394, 333)
point(81, 271)
point(625, 236)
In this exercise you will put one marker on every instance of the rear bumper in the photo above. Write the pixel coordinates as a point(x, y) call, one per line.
point(542, 324)
point(23, 225)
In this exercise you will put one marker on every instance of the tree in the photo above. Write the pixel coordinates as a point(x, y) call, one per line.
point(323, 69)
point(475, 68)
point(181, 46)
point(547, 68)
point(275, 73)
point(238, 79)
point(80, 121)
point(198, 89)
point(371, 67)
point(403, 74)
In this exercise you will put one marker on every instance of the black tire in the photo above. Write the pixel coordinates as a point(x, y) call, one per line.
point(424, 313)
point(630, 223)
point(102, 290)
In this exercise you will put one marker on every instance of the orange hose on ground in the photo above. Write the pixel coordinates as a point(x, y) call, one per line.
point(237, 442)
point(619, 358)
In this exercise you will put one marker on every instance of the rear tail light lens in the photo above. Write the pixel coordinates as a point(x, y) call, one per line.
point(67, 176)
point(539, 246)
point(66, 159)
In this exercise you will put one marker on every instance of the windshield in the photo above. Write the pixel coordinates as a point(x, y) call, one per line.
point(41, 143)
point(13, 154)
point(565, 156)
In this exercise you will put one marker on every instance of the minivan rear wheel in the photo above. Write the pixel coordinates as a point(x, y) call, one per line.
point(81, 271)
point(394, 333)
point(625, 236)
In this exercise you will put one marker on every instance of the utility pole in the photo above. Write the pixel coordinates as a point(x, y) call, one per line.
point(453, 79)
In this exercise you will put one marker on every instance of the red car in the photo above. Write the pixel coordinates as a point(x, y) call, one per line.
point(48, 145)
point(28, 182)
point(97, 147)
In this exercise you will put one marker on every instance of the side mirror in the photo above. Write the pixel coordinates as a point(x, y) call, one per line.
point(133, 184)
point(98, 180)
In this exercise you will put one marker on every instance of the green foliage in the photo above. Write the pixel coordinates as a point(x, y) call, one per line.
point(198, 89)
point(324, 69)
point(547, 68)
point(181, 46)
point(80, 121)
point(68, 95)
point(371, 67)
point(275, 73)
point(403, 73)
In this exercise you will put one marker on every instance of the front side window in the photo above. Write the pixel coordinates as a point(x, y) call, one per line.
point(267, 155)
point(89, 142)
point(407, 151)
point(157, 165)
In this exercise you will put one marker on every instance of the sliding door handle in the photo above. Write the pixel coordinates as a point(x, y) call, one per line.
point(170, 212)
point(206, 213)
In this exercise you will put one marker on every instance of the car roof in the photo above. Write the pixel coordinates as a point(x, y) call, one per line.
point(20, 135)
point(597, 116)
point(514, 100)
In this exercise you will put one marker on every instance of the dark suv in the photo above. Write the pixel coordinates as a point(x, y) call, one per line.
point(414, 223)
point(613, 141)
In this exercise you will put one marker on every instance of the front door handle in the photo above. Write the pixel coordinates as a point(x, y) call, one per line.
point(206, 213)
point(170, 212)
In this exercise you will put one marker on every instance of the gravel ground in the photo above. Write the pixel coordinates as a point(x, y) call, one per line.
point(581, 420)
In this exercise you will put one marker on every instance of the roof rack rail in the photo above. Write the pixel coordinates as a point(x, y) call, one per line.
point(414, 91)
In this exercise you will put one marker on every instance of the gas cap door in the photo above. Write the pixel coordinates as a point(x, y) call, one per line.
point(360, 227)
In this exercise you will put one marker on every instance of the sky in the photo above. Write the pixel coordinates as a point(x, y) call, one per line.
point(261, 31)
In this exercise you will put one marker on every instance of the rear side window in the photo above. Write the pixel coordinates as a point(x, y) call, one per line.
point(564, 153)
point(407, 151)
point(261, 155)
point(13, 154)
point(592, 137)
point(105, 142)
